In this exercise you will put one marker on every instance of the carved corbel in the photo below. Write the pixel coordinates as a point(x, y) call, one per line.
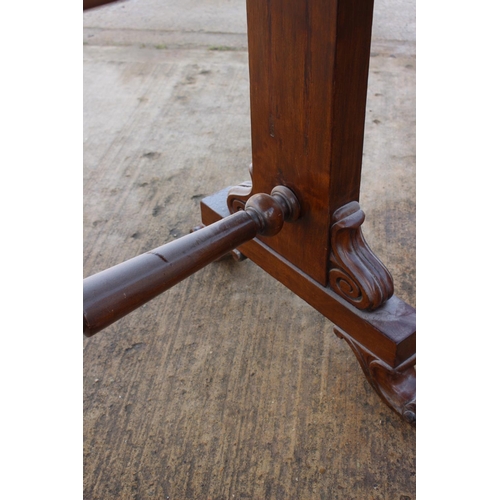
point(356, 274)
point(396, 386)
point(239, 195)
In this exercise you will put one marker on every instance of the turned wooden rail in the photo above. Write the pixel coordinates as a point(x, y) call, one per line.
point(117, 291)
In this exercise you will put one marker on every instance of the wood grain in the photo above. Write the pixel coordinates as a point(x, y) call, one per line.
point(308, 66)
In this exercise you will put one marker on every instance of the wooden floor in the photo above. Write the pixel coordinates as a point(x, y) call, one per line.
point(228, 385)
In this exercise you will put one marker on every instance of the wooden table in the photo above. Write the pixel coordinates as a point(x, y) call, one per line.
point(299, 217)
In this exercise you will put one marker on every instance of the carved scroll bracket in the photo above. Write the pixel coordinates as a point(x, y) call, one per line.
point(396, 386)
point(239, 195)
point(356, 274)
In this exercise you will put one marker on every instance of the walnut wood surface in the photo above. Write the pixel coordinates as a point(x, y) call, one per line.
point(308, 66)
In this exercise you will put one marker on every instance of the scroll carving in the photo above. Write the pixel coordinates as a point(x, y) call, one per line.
point(239, 195)
point(396, 386)
point(356, 274)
